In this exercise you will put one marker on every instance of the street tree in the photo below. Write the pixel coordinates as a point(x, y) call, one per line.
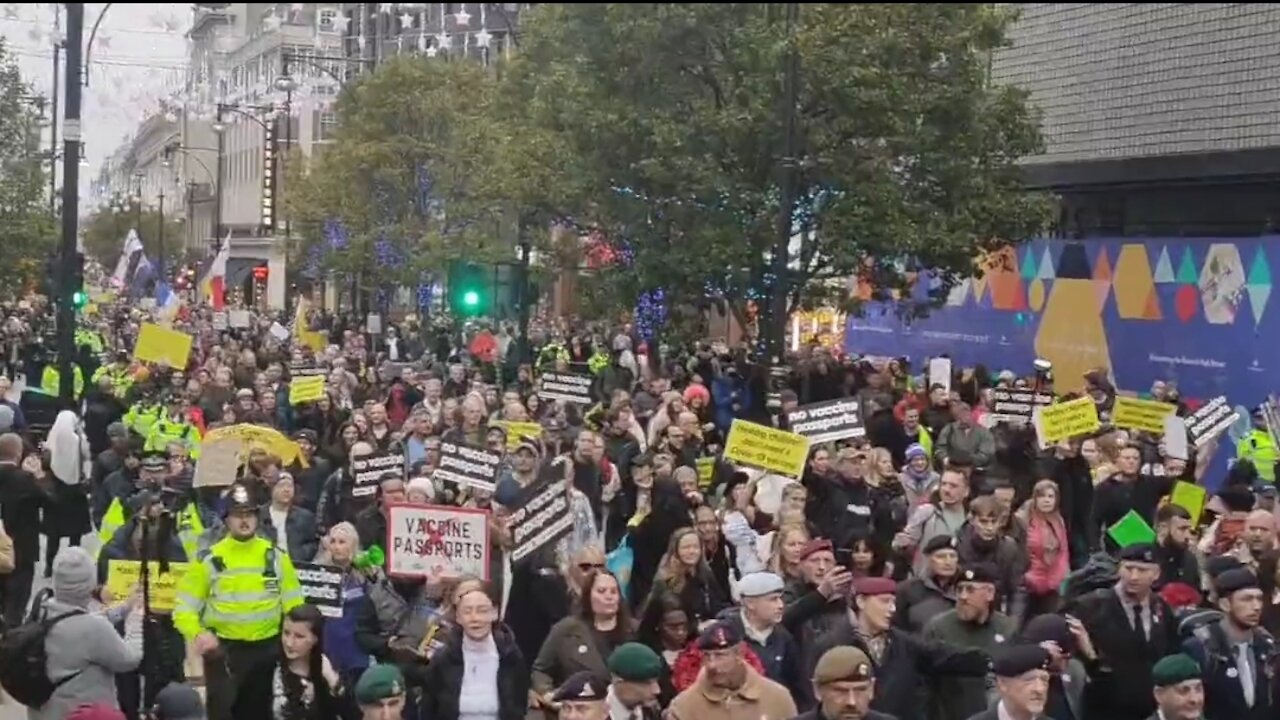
point(107, 227)
point(662, 127)
point(28, 233)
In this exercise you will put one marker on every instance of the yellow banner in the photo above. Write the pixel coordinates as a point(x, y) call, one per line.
point(706, 472)
point(125, 575)
point(517, 431)
point(1191, 498)
point(269, 439)
point(306, 389)
point(1069, 419)
point(764, 447)
point(1143, 415)
point(163, 346)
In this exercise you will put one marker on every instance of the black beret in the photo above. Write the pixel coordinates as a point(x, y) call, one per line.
point(1014, 660)
point(1233, 580)
point(940, 542)
point(1049, 628)
point(583, 686)
point(980, 572)
point(1139, 552)
point(1219, 564)
point(720, 635)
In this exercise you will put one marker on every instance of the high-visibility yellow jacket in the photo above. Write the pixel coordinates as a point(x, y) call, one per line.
point(121, 380)
point(239, 590)
point(190, 527)
point(165, 431)
point(51, 380)
point(1258, 448)
point(141, 417)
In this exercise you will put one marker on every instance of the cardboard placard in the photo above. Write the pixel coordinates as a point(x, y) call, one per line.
point(1191, 498)
point(162, 588)
point(1141, 415)
point(1069, 419)
point(542, 517)
point(468, 465)
point(566, 387)
point(940, 373)
point(763, 447)
point(1016, 406)
point(322, 587)
point(706, 471)
point(162, 346)
point(827, 421)
point(1210, 421)
point(219, 460)
point(306, 389)
point(373, 324)
point(367, 470)
point(306, 369)
point(1131, 530)
point(1175, 438)
point(240, 318)
point(436, 542)
point(221, 321)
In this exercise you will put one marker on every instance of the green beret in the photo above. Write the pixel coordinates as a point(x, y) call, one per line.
point(1175, 669)
point(635, 662)
point(378, 683)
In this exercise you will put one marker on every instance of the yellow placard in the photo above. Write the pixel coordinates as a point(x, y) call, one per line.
point(269, 439)
point(1143, 415)
point(517, 431)
point(158, 344)
point(764, 447)
point(1069, 419)
point(91, 308)
point(306, 389)
point(706, 471)
point(1191, 498)
point(124, 575)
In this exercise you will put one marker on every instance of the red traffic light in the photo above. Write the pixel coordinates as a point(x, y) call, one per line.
point(260, 272)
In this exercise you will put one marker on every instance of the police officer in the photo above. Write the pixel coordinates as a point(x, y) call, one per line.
point(118, 373)
point(174, 427)
point(583, 697)
point(1022, 679)
point(230, 603)
point(1237, 656)
point(1179, 691)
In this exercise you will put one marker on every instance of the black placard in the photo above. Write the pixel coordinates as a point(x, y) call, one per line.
point(566, 387)
point(1013, 405)
point(826, 421)
point(542, 517)
point(321, 586)
point(1210, 420)
point(468, 465)
point(306, 369)
point(367, 470)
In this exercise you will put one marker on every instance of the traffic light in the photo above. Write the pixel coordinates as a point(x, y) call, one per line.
point(470, 289)
point(76, 278)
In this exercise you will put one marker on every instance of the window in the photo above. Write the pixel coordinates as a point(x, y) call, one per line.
point(325, 20)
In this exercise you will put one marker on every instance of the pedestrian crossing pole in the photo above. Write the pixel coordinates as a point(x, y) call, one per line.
point(66, 312)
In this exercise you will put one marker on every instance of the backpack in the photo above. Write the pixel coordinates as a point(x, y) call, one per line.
point(24, 665)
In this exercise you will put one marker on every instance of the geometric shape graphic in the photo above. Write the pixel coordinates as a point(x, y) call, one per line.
point(1134, 287)
point(1258, 295)
point(1187, 302)
point(1102, 269)
point(1221, 283)
point(1029, 264)
point(1260, 269)
point(1035, 293)
point(959, 293)
point(1004, 282)
point(1102, 289)
point(1164, 268)
point(1152, 310)
point(1187, 268)
point(1073, 264)
point(1071, 335)
point(1046, 266)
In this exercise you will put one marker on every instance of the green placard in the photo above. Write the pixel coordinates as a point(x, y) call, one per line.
point(1131, 529)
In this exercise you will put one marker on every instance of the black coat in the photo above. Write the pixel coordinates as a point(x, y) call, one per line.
point(299, 530)
point(21, 499)
point(1223, 696)
point(907, 661)
point(1114, 498)
point(444, 678)
point(816, 714)
point(1121, 688)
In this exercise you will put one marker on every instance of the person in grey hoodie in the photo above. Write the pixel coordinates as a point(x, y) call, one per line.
point(84, 648)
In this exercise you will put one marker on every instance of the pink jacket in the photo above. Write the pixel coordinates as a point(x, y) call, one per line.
point(1045, 575)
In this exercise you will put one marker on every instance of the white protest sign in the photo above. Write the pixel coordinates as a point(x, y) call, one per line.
point(1175, 437)
point(940, 373)
point(240, 318)
point(430, 541)
point(279, 331)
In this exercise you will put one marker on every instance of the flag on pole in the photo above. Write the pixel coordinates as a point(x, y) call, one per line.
point(132, 247)
point(213, 284)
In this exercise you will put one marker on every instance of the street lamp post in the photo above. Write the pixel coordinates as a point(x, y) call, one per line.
point(160, 249)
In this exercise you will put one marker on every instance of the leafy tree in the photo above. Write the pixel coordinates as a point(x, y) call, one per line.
point(393, 197)
point(105, 231)
point(662, 126)
point(28, 233)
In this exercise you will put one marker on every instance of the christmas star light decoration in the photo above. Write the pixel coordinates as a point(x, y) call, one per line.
point(271, 22)
point(462, 18)
point(431, 51)
point(484, 38)
point(341, 22)
point(443, 41)
point(406, 20)
point(297, 7)
point(386, 8)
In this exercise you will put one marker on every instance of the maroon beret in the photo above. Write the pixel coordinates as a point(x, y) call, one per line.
point(874, 586)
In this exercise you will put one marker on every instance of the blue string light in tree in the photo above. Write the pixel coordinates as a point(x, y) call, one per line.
point(651, 312)
point(386, 254)
point(315, 256)
point(335, 234)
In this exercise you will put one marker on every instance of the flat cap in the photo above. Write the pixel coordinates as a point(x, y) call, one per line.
point(1139, 552)
point(1235, 580)
point(720, 635)
point(980, 572)
point(635, 662)
point(155, 460)
point(868, 586)
point(179, 701)
point(816, 545)
point(940, 542)
point(759, 584)
point(844, 663)
point(308, 435)
point(1014, 660)
point(378, 683)
point(1175, 669)
point(583, 686)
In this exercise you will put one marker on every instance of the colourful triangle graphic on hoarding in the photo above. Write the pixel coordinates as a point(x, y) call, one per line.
point(1046, 266)
point(1260, 270)
point(1164, 268)
point(1073, 263)
point(1102, 270)
point(1258, 296)
point(1029, 264)
point(1152, 309)
point(1103, 288)
point(1187, 268)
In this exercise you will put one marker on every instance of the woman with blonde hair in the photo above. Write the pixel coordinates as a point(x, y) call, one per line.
point(1047, 547)
point(684, 573)
point(784, 555)
point(879, 468)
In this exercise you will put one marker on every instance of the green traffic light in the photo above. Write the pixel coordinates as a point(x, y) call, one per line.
point(471, 298)
point(79, 298)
